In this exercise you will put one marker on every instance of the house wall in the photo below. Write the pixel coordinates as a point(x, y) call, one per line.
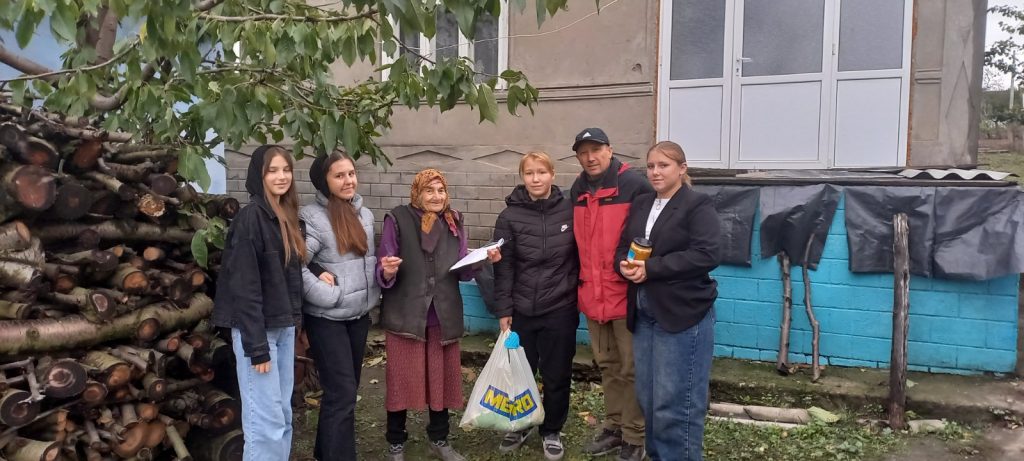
point(955, 326)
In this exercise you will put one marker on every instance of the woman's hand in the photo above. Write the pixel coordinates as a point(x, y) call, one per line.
point(262, 367)
point(634, 271)
point(505, 323)
point(494, 255)
point(390, 264)
point(327, 278)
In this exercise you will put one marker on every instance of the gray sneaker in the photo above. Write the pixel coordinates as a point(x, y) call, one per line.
point(605, 442)
point(443, 450)
point(513, 440)
point(553, 449)
point(396, 452)
point(631, 453)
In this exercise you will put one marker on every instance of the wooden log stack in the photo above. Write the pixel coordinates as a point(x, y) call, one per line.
point(105, 350)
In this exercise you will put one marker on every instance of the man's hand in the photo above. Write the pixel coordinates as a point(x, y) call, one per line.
point(262, 367)
point(505, 323)
point(327, 278)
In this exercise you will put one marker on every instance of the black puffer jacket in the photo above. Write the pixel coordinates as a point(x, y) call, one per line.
point(539, 265)
point(256, 290)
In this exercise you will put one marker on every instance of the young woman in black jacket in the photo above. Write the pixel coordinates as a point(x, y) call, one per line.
point(670, 304)
point(259, 297)
point(535, 290)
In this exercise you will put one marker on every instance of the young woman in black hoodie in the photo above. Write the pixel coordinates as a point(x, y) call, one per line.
point(535, 290)
point(259, 297)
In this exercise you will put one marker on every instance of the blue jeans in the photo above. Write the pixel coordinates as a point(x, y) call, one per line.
point(267, 397)
point(673, 371)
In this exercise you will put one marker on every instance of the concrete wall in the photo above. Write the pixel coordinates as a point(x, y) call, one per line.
point(946, 71)
point(955, 326)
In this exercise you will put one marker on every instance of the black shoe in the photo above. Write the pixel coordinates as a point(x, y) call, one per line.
point(631, 452)
point(605, 442)
point(513, 440)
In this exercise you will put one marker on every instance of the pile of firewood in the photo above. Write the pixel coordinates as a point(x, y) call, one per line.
point(104, 348)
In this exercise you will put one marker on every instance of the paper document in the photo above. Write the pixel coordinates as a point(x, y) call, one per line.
point(477, 255)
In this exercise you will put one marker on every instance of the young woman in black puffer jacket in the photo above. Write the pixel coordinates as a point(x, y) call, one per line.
point(535, 290)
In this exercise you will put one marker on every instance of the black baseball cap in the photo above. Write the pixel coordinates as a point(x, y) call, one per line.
point(591, 134)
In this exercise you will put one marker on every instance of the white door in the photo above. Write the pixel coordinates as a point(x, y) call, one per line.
point(765, 84)
point(781, 84)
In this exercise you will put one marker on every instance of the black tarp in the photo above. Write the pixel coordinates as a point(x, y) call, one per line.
point(978, 233)
point(791, 214)
point(969, 233)
point(736, 206)
point(869, 212)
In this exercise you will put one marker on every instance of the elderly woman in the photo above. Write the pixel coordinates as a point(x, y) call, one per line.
point(422, 311)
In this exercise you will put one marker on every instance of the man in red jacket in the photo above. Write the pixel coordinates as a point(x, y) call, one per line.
point(601, 197)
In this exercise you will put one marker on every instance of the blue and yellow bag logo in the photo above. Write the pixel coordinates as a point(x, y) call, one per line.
point(497, 401)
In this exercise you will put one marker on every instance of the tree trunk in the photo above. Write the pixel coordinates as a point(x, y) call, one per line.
point(19, 275)
point(14, 236)
point(128, 173)
point(21, 449)
point(900, 322)
point(123, 191)
point(96, 306)
point(130, 279)
point(109, 370)
point(37, 336)
point(97, 260)
point(117, 231)
point(31, 186)
point(14, 311)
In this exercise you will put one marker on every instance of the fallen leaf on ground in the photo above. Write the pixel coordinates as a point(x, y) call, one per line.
point(375, 361)
point(374, 381)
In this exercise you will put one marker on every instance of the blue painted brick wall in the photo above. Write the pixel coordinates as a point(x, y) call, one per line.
point(955, 326)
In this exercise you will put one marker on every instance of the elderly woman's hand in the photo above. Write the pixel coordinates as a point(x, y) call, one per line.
point(634, 271)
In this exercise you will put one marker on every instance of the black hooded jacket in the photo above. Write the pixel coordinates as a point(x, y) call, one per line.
point(256, 290)
point(539, 265)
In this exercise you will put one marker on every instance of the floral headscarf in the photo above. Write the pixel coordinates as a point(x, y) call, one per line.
point(419, 184)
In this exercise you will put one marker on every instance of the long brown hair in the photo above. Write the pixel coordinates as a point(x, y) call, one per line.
point(286, 208)
point(349, 234)
point(675, 152)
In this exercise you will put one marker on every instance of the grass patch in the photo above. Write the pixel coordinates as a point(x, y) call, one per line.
point(816, 441)
point(1011, 162)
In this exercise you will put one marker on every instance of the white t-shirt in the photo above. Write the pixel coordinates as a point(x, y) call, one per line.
point(659, 205)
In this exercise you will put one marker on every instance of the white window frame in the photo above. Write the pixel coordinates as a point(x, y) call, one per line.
point(466, 49)
point(831, 79)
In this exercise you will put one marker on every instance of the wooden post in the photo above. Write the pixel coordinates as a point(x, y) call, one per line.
point(782, 363)
point(815, 326)
point(900, 322)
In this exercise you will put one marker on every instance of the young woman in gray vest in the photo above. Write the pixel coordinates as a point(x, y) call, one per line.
point(339, 242)
point(422, 312)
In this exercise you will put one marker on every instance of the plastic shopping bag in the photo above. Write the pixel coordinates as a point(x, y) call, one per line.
point(505, 396)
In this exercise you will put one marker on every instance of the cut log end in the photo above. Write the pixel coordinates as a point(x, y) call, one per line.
point(15, 236)
point(148, 330)
point(32, 450)
point(151, 206)
point(162, 184)
point(65, 378)
point(33, 187)
point(94, 393)
point(86, 156)
point(153, 254)
point(16, 408)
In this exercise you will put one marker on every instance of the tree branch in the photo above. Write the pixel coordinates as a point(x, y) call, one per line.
point(274, 17)
point(48, 76)
point(21, 63)
point(207, 5)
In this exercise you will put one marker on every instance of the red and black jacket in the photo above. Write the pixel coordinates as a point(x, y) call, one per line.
point(598, 220)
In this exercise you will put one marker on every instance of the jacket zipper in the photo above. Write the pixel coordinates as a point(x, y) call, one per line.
point(543, 251)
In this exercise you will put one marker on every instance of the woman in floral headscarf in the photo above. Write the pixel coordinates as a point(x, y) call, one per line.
point(422, 311)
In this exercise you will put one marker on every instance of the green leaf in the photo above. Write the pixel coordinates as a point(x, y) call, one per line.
point(329, 131)
point(63, 22)
point(541, 12)
point(488, 106)
point(27, 25)
point(18, 88)
point(350, 137)
point(199, 250)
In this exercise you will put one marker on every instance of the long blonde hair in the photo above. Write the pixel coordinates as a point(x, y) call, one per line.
point(286, 207)
point(675, 152)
